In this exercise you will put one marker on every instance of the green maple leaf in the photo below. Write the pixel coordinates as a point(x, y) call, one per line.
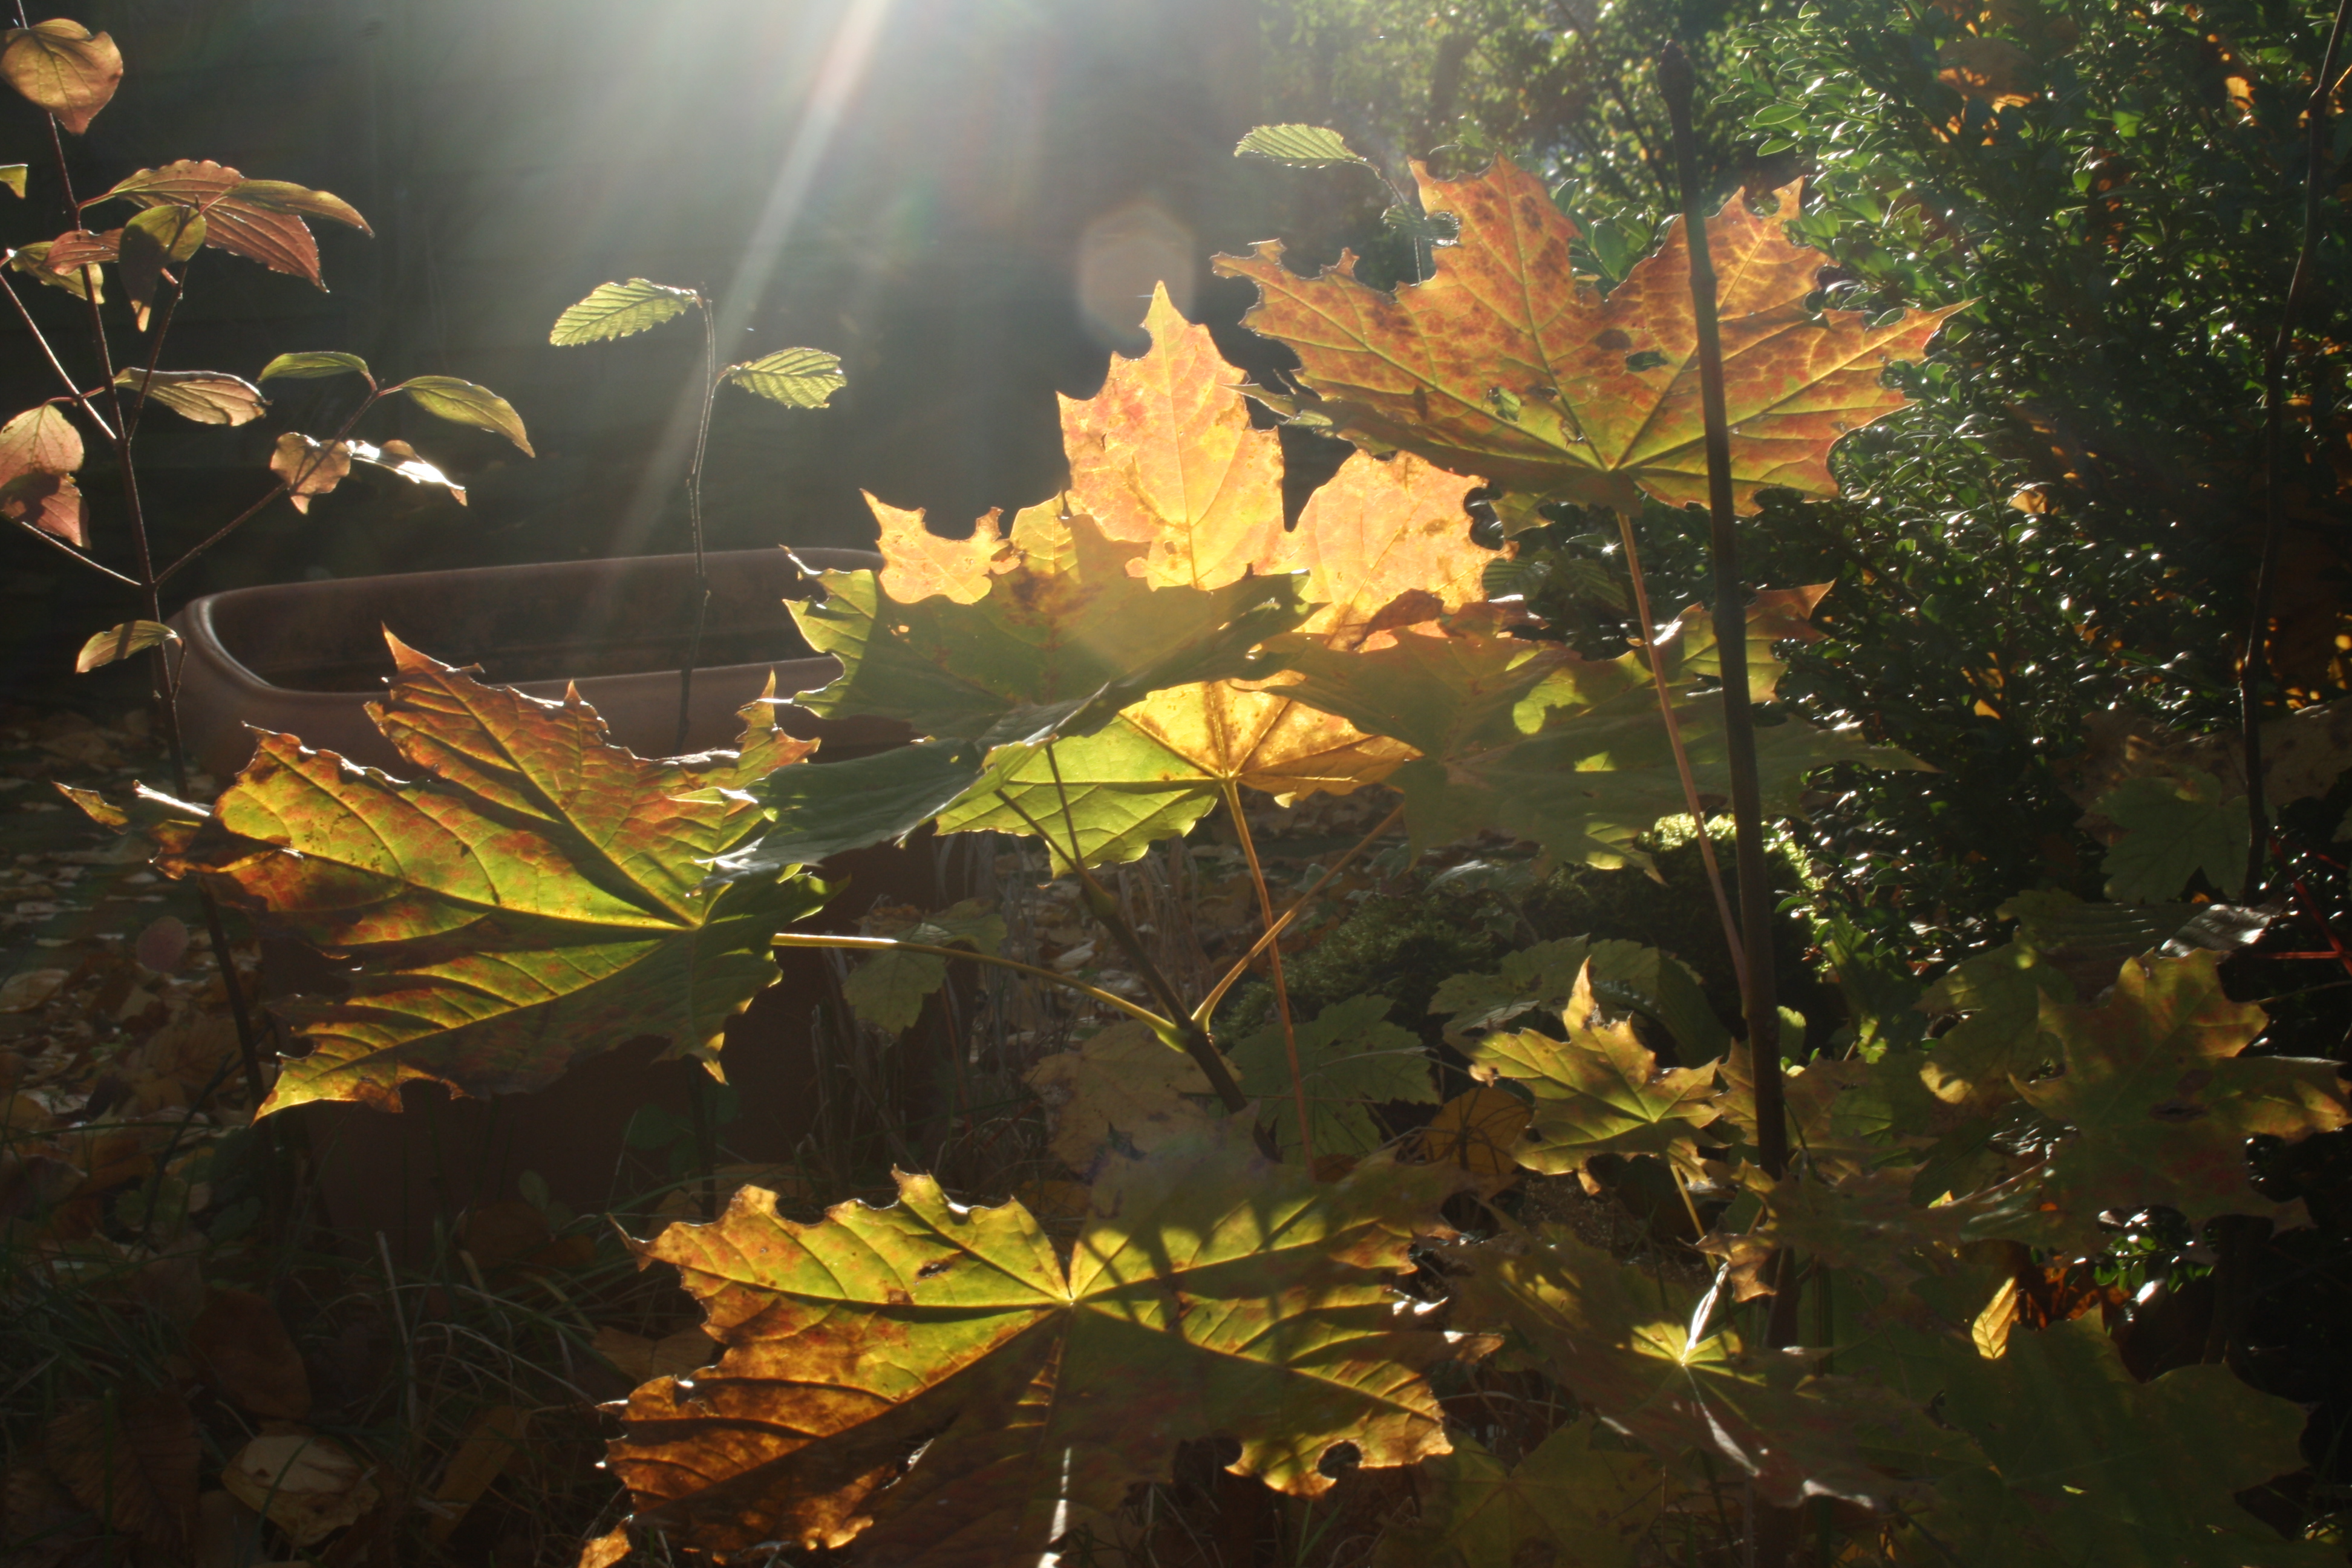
point(888, 989)
point(1998, 995)
point(1538, 743)
point(1590, 1506)
point(1210, 1293)
point(1598, 1092)
point(1063, 636)
point(1351, 1058)
point(2161, 1100)
point(1124, 792)
point(2173, 829)
point(1622, 1340)
point(828, 809)
point(1625, 975)
point(2090, 1465)
point(533, 897)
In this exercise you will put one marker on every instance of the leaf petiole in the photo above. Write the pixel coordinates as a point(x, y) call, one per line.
point(1172, 1034)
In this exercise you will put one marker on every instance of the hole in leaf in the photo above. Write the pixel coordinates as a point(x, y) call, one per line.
point(1338, 1459)
point(1648, 359)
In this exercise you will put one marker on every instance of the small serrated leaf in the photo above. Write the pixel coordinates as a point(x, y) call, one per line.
point(1300, 146)
point(33, 261)
point(13, 177)
point(120, 642)
point(463, 403)
point(312, 366)
point(620, 311)
point(798, 378)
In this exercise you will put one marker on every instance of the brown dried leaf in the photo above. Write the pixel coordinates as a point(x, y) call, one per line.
point(309, 467)
point(130, 1459)
point(242, 1348)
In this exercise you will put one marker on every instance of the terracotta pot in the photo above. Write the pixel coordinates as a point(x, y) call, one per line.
point(305, 658)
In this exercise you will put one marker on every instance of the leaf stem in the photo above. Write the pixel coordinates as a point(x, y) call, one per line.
point(2253, 661)
point(1231, 976)
point(1274, 969)
point(81, 399)
point(1158, 1024)
point(1731, 937)
point(1757, 1000)
point(1104, 909)
point(694, 523)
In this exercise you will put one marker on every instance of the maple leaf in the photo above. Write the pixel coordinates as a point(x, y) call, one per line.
point(2090, 1465)
point(1866, 1223)
point(2171, 830)
point(1625, 1343)
point(888, 989)
point(1121, 1088)
point(932, 1381)
point(1164, 457)
point(533, 897)
point(1625, 975)
point(1351, 1058)
point(2162, 1102)
point(1503, 365)
point(1590, 1506)
point(1598, 1092)
point(1537, 742)
point(1998, 995)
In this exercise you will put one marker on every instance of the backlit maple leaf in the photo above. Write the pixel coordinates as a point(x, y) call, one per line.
point(1503, 365)
point(534, 895)
point(934, 1381)
point(2161, 1099)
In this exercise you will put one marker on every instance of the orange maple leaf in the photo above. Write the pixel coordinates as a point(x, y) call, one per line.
point(1503, 365)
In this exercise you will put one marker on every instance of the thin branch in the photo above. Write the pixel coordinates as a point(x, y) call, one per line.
point(1758, 1004)
point(1104, 909)
point(1158, 1024)
point(1274, 969)
point(309, 466)
point(70, 553)
point(1231, 976)
point(694, 522)
point(50, 355)
point(1731, 936)
point(2253, 662)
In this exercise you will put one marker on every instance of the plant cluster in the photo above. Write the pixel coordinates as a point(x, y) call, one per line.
point(1329, 1258)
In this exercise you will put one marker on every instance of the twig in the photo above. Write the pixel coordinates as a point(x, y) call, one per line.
point(1274, 969)
point(2253, 662)
point(1231, 976)
point(1731, 937)
point(1757, 999)
point(1160, 1025)
point(694, 523)
point(1105, 909)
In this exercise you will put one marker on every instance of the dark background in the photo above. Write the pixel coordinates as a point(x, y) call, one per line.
point(968, 200)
